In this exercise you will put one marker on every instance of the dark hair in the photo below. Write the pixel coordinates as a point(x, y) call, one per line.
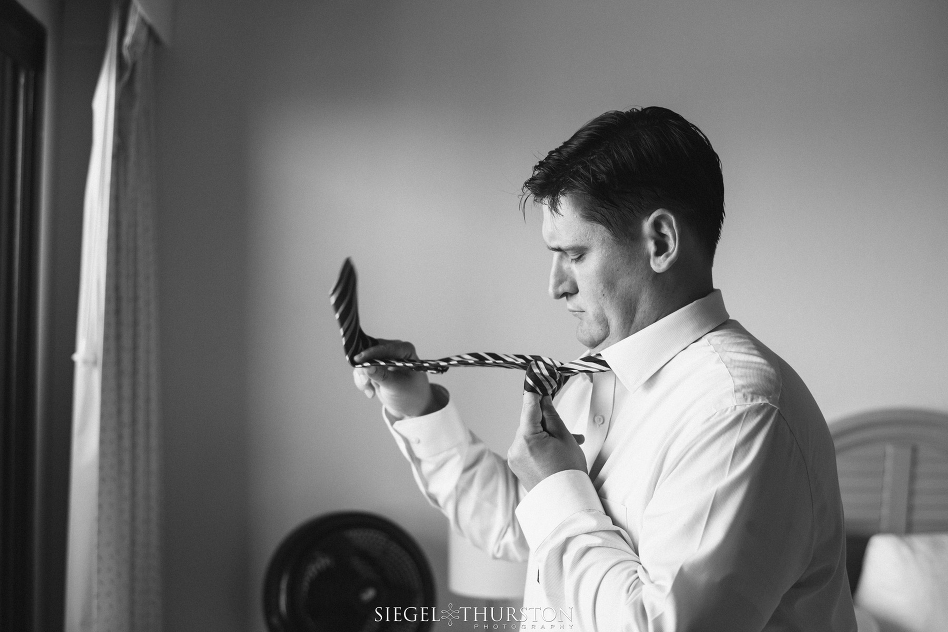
point(624, 165)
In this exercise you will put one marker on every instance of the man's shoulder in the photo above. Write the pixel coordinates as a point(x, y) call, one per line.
point(736, 367)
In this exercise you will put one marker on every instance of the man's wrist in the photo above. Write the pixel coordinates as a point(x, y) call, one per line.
point(437, 399)
point(552, 500)
point(541, 476)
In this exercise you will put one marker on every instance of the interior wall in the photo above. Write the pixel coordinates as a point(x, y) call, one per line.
point(202, 259)
point(296, 134)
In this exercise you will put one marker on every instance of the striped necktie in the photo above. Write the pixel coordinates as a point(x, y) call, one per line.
point(544, 376)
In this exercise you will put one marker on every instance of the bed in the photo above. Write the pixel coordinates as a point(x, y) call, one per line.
point(893, 475)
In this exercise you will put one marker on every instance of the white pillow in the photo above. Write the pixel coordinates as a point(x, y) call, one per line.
point(904, 582)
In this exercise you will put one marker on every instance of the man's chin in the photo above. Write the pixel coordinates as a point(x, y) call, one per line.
point(589, 340)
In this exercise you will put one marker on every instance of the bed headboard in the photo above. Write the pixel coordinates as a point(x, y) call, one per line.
point(893, 475)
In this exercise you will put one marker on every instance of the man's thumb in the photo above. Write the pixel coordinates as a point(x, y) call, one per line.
point(552, 422)
point(530, 415)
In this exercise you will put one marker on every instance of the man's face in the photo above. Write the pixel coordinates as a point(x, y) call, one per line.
point(600, 278)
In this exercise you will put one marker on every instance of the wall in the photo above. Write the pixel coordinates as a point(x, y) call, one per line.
point(203, 252)
point(296, 134)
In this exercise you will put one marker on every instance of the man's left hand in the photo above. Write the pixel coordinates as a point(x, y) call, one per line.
point(543, 445)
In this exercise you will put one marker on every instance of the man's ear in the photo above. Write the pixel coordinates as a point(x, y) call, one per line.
point(663, 239)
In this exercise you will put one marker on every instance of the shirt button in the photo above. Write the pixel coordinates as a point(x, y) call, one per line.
point(599, 419)
point(416, 440)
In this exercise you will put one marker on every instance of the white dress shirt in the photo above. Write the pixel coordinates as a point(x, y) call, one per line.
point(712, 500)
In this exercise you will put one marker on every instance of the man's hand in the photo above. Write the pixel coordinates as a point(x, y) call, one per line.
point(403, 392)
point(543, 445)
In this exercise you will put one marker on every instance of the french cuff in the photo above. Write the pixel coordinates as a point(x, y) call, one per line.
point(553, 500)
point(433, 433)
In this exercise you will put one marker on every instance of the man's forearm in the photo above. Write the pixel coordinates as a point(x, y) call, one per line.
point(460, 476)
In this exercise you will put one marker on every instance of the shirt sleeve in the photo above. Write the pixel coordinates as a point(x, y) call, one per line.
point(727, 531)
point(459, 475)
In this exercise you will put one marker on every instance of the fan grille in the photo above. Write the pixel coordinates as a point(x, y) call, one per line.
point(333, 573)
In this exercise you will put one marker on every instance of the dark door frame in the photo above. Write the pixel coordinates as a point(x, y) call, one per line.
point(22, 70)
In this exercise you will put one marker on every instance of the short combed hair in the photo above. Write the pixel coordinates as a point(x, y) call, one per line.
point(624, 165)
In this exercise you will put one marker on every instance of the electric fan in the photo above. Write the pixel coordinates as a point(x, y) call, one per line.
point(339, 573)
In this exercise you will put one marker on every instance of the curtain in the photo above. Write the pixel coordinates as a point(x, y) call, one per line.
point(113, 565)
point(87, 381)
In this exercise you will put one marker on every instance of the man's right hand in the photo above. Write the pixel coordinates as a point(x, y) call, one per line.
point(403, 392)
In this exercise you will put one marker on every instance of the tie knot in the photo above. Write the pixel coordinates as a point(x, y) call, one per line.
point(546, 377)
point(543, 377)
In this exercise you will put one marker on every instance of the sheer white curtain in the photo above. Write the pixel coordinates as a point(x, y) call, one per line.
point(113, 564)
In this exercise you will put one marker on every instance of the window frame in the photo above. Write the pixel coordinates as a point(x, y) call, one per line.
point(22, 73)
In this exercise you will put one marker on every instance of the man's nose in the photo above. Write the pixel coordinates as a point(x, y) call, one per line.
point(561, 282)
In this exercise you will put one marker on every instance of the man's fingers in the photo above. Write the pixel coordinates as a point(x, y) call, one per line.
point(539, 415)
point(552, 422)
point(388, 350)
point(376, 373)
point(363, 383)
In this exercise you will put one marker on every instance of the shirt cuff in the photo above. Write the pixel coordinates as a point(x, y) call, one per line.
point(553, 500)
point(434, 433)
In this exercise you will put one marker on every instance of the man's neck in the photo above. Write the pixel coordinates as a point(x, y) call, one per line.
point(665, 299)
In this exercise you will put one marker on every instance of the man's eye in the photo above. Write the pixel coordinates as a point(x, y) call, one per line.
point(576, 259)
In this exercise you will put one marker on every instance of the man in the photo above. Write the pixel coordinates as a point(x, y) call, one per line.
point(704, 495)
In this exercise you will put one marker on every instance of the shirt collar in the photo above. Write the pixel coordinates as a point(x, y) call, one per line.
point(636, 358)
